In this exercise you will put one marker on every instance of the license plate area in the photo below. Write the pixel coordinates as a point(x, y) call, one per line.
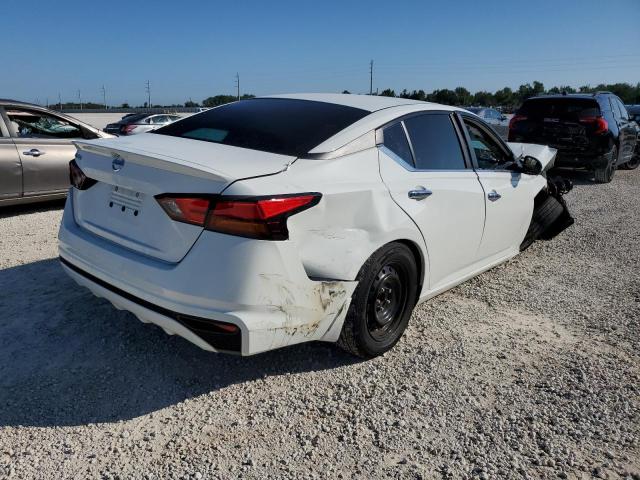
point(126, 201)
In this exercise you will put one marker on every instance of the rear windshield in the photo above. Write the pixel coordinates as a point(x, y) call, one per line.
point(276, 125)
point(562, 108)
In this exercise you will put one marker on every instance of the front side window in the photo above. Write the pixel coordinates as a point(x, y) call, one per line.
point(277, 125)
point(435, 142)
point(396, 141)
point(35, 124)
point(488, 153)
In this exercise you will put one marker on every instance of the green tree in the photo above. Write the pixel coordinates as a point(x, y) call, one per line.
point(388, 93)
point(218, 100)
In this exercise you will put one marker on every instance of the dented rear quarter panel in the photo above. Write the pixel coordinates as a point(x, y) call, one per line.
point(355, 217)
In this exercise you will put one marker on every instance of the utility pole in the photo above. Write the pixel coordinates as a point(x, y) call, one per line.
point(80, 99)
point(104, 97)
point(238, 84)
point(60, 101)
point(148, 88)
point(371, 77)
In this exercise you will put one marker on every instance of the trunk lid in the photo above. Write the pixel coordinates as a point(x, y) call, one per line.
point(130, 171)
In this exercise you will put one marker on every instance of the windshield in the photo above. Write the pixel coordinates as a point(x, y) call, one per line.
point(276, 125)
point(562, 108)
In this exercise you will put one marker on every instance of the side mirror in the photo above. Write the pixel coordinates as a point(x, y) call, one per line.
point(530, 165)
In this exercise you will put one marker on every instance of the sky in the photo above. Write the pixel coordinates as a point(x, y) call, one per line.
point(193, 49)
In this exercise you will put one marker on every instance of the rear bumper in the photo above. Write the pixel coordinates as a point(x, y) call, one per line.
point(259, 286)
point(585, 161)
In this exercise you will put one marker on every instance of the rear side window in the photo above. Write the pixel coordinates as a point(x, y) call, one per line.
point(560, 108)
point(276, 125)
point(396, 141)
point(435, 142)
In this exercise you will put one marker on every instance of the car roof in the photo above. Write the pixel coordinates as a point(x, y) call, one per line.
point(8, 101)
point(589, 96)
point(370, 103)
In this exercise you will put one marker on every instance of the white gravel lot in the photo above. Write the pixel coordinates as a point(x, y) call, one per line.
point(529, 371)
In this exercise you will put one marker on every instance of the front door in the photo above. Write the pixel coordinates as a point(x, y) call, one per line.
point(429, 177)
point(509, 195)
point(44, 144)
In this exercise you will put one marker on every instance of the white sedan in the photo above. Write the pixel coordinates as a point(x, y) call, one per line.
point(279, 220)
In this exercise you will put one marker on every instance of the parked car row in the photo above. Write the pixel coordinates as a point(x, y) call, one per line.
point(279, 220)
point(274, 221)
point(133, 124)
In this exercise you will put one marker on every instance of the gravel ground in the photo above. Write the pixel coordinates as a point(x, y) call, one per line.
point(529, 371)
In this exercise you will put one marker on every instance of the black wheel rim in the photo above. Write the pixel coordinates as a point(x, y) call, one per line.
point(634, 162)
point(387, 302)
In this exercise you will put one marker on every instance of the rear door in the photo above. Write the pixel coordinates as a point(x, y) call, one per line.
point(43, 141)
point(428, 175)
point(627, 130)
point(509, 195)
point(10, 166)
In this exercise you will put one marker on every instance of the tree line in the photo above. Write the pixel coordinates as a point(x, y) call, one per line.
point(508, 99)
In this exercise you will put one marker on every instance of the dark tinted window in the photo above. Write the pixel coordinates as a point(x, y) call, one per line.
point(396, 141)
point(563, 108)
point(277, 125)
point(488, 153)
point(435, 143)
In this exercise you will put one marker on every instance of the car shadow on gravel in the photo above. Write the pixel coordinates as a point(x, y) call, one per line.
point(16, 210)
point(69, 358)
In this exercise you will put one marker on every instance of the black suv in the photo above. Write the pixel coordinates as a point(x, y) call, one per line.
point(590, 131)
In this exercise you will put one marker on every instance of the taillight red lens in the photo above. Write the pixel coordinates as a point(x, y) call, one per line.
point(515, 119)
point(600, 123)
point(77, 178)
point(185, 209)
point(127, 129)
point(264, 218)
point(253, 217)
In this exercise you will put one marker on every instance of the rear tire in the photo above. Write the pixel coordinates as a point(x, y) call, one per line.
point(382, 302)
point(545, 212)
point(605, 174)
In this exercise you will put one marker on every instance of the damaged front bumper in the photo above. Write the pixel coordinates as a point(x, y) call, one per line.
point(260, 288)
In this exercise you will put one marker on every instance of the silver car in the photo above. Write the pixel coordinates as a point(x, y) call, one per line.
point(35, 150)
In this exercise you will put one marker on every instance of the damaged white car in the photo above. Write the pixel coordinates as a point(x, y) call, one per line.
point(279, 220)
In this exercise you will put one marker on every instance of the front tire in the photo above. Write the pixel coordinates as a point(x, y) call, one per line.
point(382, 302)
point(633, 163)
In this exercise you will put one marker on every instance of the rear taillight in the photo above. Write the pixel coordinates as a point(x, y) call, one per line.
point(515, 119)
point(77, 178)
point(185, 209)
point(127, 129)
point(254, 217)
point(601, 125)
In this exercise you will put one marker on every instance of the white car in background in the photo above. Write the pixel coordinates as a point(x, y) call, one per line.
point(136, 123)
point(274, 221)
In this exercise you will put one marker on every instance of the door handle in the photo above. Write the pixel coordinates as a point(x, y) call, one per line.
point(34, 152)
point(493, 196)
point(419, 193)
